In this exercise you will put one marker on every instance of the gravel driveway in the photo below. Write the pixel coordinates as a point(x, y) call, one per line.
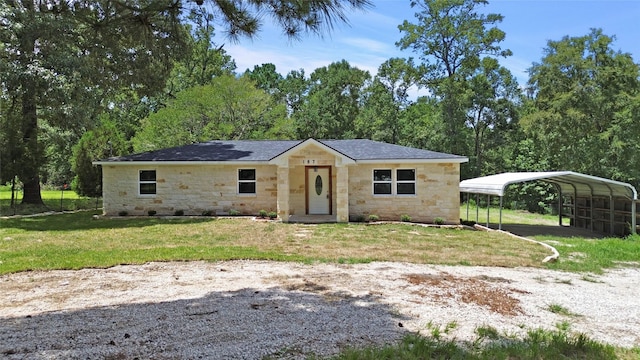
point(257, 309)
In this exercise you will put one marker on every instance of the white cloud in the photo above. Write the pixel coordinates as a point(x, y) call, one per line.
point(368, 44)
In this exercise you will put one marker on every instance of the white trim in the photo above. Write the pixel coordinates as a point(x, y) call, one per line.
point(413, 161)
point(374, 182)
point(394, 183)
point(566, 180)
point(254, 181)
point(344, 159)
point(414, 182)
point(184, 163)
point(140, 182)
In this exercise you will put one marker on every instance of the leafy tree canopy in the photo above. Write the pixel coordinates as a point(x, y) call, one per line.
point(228, 108)
point(585, 107)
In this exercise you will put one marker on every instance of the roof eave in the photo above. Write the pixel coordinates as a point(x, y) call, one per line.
point(184, 163)
point(413, 161)
point(281, 158)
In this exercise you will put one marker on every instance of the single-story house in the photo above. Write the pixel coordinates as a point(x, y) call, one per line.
point(341, 180)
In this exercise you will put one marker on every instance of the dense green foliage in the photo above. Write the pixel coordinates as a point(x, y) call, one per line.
point(103, 142)
point(152, 69)
point(64, 63)
point(585, 107)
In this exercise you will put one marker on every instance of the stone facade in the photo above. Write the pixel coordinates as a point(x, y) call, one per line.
point(281, 186)
point(190, 188)
point(437, 193)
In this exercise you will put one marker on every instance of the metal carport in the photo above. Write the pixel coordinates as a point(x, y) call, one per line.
point(566, 182)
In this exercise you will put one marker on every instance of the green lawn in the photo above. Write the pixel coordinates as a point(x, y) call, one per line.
point(479, 215)
point(76, 240)
point(54, 200)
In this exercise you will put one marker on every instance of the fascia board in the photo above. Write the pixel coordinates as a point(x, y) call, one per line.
point(278, 159)
point(183, 163)
point(413, 161)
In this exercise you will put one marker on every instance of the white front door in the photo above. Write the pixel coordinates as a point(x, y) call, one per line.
point(318, 190)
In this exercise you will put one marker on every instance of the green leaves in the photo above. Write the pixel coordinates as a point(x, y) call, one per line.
point(332, 103)
point(586, 94)
point(227, 108)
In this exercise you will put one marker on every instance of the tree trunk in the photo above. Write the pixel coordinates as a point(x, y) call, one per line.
point(30, 169)
point(29, 173)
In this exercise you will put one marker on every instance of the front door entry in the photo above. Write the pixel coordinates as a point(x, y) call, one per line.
point(318, 190)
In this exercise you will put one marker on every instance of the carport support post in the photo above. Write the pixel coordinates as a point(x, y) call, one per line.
point(560, 204)
point(488, 203)
point(633, 216)
point(477, 208)
point(612, 205)
point(468, 206)
point(500, 223)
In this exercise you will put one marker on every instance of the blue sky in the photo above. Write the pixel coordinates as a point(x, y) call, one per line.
point(370, 38)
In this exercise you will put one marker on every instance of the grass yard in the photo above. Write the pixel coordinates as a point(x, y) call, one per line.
point(490, 344)
point(508, 216)
point(54, 200)
point(73, 241)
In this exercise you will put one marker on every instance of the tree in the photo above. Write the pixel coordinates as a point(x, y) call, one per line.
point(422, 125)
point(265, 77)
point(493, 99)
point(103, 142)
point(204, 61)
point(55, 53)
point(57, 57)
point(228, 108)
point(294, 88)
point(385, 99)
point(585, 107)
point(451, 38)
point(333, 102)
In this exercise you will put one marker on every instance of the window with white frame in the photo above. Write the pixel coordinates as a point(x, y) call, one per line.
point(246, 181)
point(382, 182)
point(406, 181)
point(147, 182)
point(402, 183)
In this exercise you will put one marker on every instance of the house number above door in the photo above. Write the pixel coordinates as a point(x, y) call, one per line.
point(318, 185)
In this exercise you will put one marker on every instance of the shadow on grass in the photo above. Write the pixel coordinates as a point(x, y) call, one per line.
point(243, 324)
point(49, 205)
point(549, 230)
point(84, 220)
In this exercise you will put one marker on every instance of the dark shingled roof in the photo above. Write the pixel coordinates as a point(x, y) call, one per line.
point(359, 149)
point(265, 150)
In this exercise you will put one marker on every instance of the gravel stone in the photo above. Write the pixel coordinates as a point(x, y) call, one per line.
point(278, 310)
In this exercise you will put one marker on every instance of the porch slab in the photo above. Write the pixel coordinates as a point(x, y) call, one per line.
point(312, 219)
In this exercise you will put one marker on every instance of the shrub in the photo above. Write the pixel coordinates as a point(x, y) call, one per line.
point(207, 213)
point(234, 212)
point(359, 218)
point(468, 222)
point(263, 213)
point(273, 215)
point(123, 213)
point(438, 221)
point(152, 212)
point(179, 213)
point(405, 218)
point(374, 217)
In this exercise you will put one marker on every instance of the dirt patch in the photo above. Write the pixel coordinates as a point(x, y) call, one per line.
point(478, 291)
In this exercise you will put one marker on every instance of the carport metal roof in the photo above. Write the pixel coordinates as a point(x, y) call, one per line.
point(568, 182)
